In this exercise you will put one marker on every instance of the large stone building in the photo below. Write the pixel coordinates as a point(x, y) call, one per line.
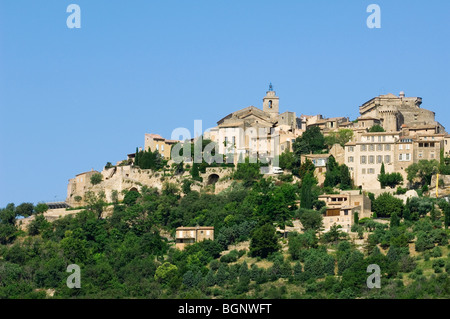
point(255, 132)
point(394, 111)
point(396, 150)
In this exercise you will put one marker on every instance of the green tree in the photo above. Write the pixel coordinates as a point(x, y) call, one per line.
point(96, 178)
point(423, 170)
point(340, 137)
point(264, 241)
point(346, 180)
point(300, 242)
point(41, 208)
point(306, 194)
point(312, 140)
point(310, 219)
point(8, 227)
point(38, 225)
point(131, 197)
point(165, 273)
point(386, 204)
point(248, 172)
point(287, 160)
point(376, 129)
point(306, 167)
point(25, 209)
point(334, 234)
point(395, 220)
point(95, 202)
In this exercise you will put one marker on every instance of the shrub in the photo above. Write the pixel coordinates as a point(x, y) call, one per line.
point(401, 190)
point(96, 178)
point(264, 241)
point(232, 256)
point(436, 252)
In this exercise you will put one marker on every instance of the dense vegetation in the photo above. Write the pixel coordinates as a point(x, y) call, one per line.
point(127, 254)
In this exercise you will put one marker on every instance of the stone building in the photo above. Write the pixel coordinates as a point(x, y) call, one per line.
point(155, 142)
point(341, 209)
point(255, 132)
point(190, 235)
point(320, 162)
point(394, 111)
point(397, 151)
point(365, 157)
point(78, 186)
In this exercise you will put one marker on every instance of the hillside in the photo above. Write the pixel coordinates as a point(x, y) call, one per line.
point(130, 252)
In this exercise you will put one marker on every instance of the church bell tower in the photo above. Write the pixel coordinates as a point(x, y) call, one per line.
point(270, 102)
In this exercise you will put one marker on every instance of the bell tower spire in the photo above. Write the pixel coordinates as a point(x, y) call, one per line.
point(271, 102)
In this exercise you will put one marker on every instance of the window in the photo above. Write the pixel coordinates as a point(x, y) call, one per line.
point(408, 157)
point(226, 140)
point(162, 147)
point(379, 138)
point(350, 159)
point(233, 139)
point(431, 155)
point(363, 147)
point(350, 148)
point(371, 147)
point(400, 157)
point(407, 146)
point(387, 147)
point(371, 171)
point(384, 138)
point(379, 159)
point(420, 155)
point(363, 159)
point(387, 159)
point(373, 138)
point(400, 146)
point(371, 159)
point(379, 147)
point(363, 171)
point(157, 147)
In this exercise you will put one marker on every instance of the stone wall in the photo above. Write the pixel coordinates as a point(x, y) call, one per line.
point(128, 178)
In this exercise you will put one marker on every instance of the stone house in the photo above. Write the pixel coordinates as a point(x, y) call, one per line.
point(190, 235)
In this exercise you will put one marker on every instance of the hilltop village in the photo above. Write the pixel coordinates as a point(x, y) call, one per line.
point(266, 204)
point(391, 133)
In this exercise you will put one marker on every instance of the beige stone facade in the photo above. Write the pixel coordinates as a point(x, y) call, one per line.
point(341, 209)
point(397, 151)
point(394, 111)
point(155, 142)
point(255, 132)
point(78, 186)
point(365, 157)
point(190, 235)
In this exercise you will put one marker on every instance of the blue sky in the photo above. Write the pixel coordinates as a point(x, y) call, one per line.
point(74, 99)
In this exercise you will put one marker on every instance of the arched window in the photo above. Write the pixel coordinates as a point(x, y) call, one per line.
point(270, 104)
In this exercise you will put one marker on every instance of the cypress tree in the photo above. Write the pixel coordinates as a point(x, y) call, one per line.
point(407, 212)
point(395, 220)
point(306, 198)
point(356, 218)
point(382, 176)
point(136, 157)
